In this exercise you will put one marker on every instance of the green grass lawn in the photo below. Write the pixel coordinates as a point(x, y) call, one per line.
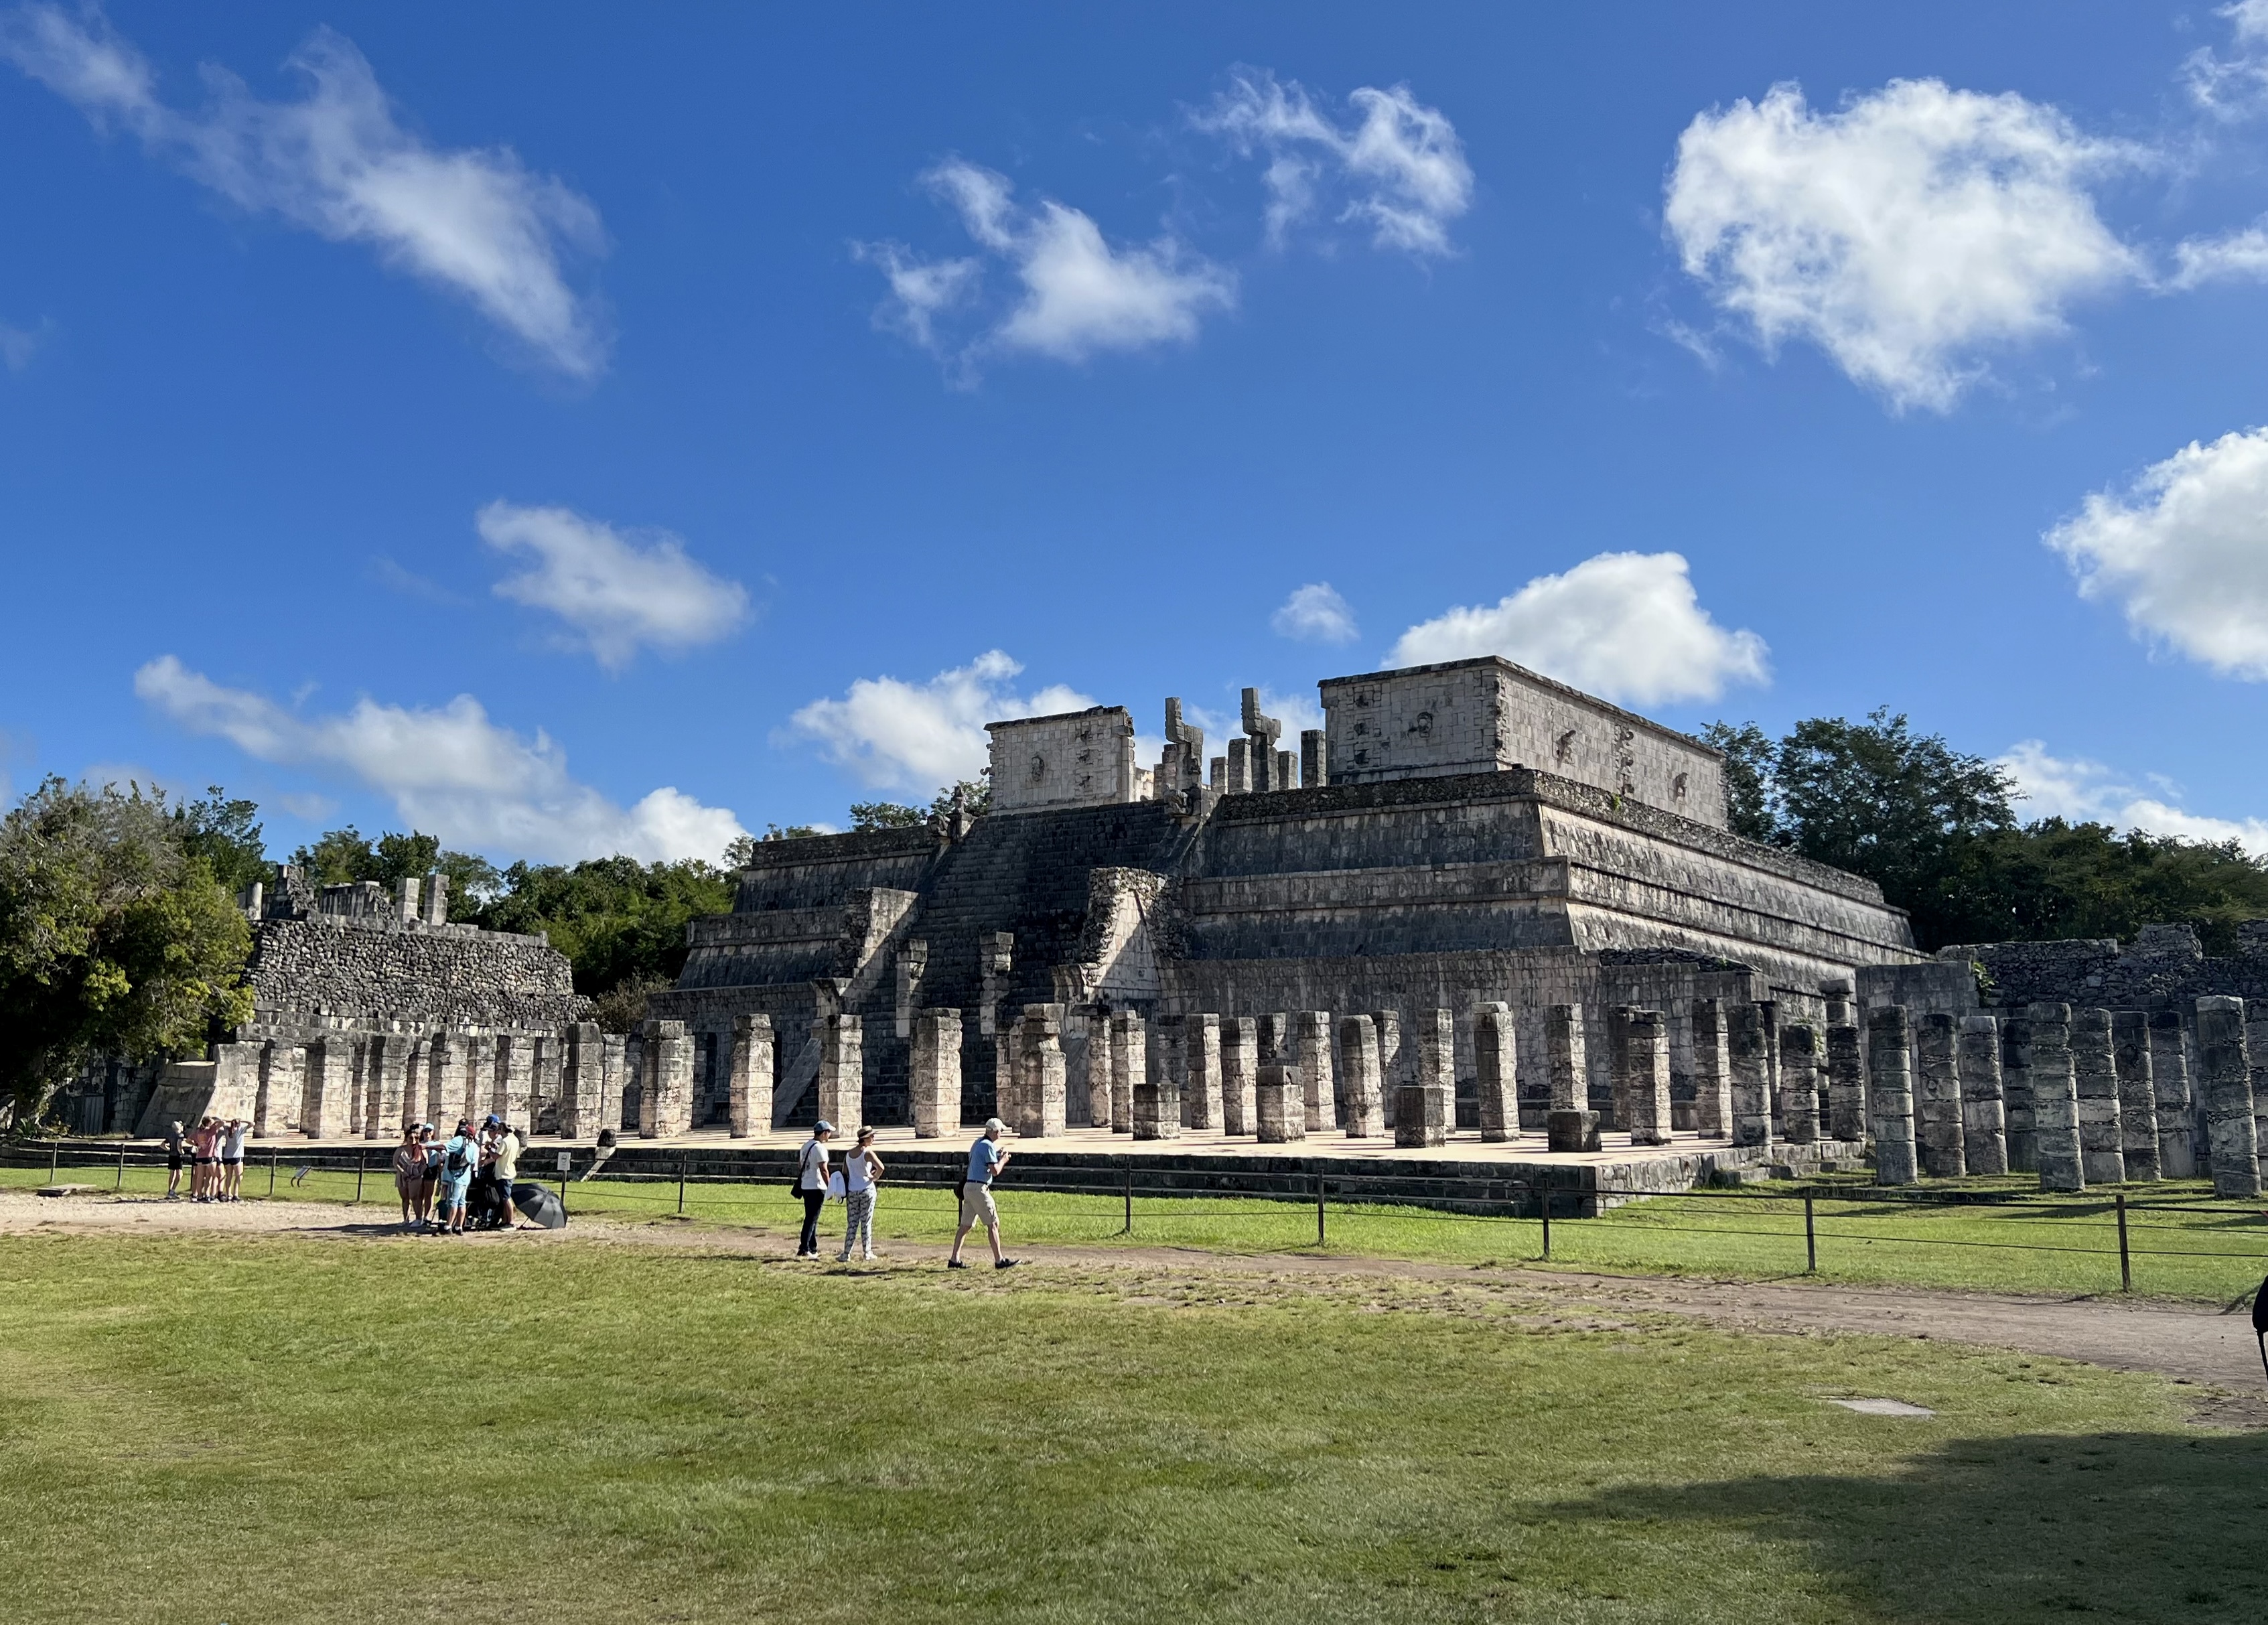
point(230, 1427)
point(2183, 1243)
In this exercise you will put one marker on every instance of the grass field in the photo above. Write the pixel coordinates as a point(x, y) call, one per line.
point(2183, 1243)
point(211, 1428)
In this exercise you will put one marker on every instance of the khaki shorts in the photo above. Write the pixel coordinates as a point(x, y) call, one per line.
point(976, 1206)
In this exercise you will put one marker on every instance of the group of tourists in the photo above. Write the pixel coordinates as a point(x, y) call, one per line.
point(818, 1177)
point(214, 1152)
point(463, 1182)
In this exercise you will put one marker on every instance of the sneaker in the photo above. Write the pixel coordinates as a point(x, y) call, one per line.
point(840, 1258)
point(954, 1263)
point(1005, 1263)
point(871, 1256)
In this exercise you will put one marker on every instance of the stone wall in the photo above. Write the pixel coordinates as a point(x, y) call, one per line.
point(1078, 759)
point(405, 970)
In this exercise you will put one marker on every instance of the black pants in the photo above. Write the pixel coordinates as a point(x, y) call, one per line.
point(812, 1201)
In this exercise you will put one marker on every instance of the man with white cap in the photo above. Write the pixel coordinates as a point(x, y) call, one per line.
point(986, 1157)
point(811, 1185)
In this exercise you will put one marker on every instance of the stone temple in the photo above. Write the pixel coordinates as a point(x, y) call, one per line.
point(1454, 837)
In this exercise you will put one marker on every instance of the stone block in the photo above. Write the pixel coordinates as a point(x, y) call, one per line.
point(1158, 1097)
point(2051, 1070)
point(515, 1077)
point(935, 1073)
point(1748, 1045)
point(323, 1105)
point(1359, 1078)
point(582, 1081)
point(667, 1108)
point(1310, 1052)
point(1203, 1099)
point(1571, 1130)
point(1129, 1064)
point(1496, 1071)
point(1937, 1095)
point(1563, 1058)
point(841, 1072)
point(1889, 1093)
point(1422, 1113)
point(1044, 1093)
point(1644, 1082)
point(1240, 1063)
point(2137, 1100)
point(751, 1082)
point(2094, 1072)
point(1712, 1071)
point(2224, 1072)
point(1983, 1130)
point(1281, 1103)
point(1847, 1084)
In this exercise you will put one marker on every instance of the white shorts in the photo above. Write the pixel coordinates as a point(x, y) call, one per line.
point(976, 1206)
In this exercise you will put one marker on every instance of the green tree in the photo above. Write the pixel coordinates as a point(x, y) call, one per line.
point(615, 918)
point(226, 832)
point(115, 938)
point(1749, 755)
point(867, 816)
point(338, 857)
point(342, 856)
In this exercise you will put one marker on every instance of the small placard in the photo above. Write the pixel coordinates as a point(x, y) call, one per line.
point(566, 1162)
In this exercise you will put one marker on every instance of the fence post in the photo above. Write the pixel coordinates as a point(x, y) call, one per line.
point(361, 1165)
point(1543, 1206)
point(683, 1158)
point(1130, 1198)
point(2125, 1265)
point(121, 1167)
point(1318, 1210)
point(1810, 1239)
point(54, 1151)
point(273, 1153)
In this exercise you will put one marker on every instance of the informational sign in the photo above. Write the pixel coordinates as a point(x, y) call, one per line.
point(566, 1162)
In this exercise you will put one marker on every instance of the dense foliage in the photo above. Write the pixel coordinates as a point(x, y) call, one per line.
point(115, 936)
point(1938, 830)
point(342, 856)
point(618, 920)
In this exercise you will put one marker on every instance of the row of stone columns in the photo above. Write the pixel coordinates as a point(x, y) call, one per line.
point(347, 1084)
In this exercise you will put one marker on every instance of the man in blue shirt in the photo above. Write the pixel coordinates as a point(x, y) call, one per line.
point(986, 1157)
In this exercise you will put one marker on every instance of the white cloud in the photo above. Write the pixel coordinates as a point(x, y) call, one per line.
point(2185, 552)
point(1623, 625)
point(2081, 791)
point(1398, 169)
point(1080, 295)
point(1904, 234)
point(1315, 614)
point(449, 771)
point(2234, 256)
point(616, 594)
point(888, 733)
point(2235, 85)
point(476, 221)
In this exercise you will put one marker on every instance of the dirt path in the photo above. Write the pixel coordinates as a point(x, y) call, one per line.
point(2199, 1345)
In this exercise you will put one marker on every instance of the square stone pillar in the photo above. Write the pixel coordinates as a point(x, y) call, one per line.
point(2016, 1093)
point(1564, 1058)
point(1645, 1083)
point(1393, 1062)
point(1129, 1064)
point(360, 1084)
point(1157, 1096)
point(1768, 1014)
point(1889, 1093)
point(667, 1110)
point(842, 1072)
point(1359, 1078)
point(1846, 1084)
point(476, 1076)
point(615, 1080)
point(392, 1054)
point(1712, 1071)
point(1239, 1064)
point(935, 1068)
point(1983, 1132)
point(2138, 1097)
point(1496, 1067)
point(1203, 1099)
point(515, 1078)
point(2225, 1079)
point(2094, 1072)
point(1937, 1095)
point(1275, 1038)
point(1424, 1109)
point(2169, 1084)
point(1799, 1082)
point(1084, 1047)
point(322, 1102)
point(1310, 1052)
point(1281, 1103)
point(581, 1081)
point(2055, 1099)
point(1750, 1055)
point(282, 1087)
point(2256, 1047)
point(1043, 1078)
point(755, 1071)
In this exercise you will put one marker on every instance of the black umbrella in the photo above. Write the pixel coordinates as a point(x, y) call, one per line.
point(2260, 1322)
point(540, 1205)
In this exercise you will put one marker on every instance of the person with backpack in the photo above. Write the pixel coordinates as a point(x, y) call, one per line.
point(460, 1159)
point(861, 1171)
point(811, 1185)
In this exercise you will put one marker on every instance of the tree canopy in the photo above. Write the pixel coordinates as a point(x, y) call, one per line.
point(115, 935)
point(617, 920)
point(342, 856)
point(1937, 830)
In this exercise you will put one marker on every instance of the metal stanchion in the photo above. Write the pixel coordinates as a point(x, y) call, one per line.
point(2126, 1264)
point(1129, 1199)
point(121, 1167)
point(1318, 1210)
point(1810, 1239)
point(54, 1152)
point(362, 1163)
point(1544, 1207)
point(683, 1160)
point(273, 1153)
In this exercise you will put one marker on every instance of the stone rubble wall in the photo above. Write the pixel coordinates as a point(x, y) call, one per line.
point(397, 970)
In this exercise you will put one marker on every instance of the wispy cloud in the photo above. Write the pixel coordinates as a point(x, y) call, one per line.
point(618, 592)
point(1315, 614)
point(2081, 791)
point(476, 221)
point(889, 733)
point(448, 770)
point(1397, 168)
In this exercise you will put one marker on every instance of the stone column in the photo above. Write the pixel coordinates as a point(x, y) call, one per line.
point(1081, 1052)
point(1767, 1010)
point(2055, 1099)
point(321, 1107)
point(935, 1068)
point(1424, 1109)
point(1889, 1093)
point(1799, 1085)
point(444, 1080)
point(2225, 1079)
point(1045, 1080)
point(2094, 1070)
point(1563, 1058)
point(2169, 1084)
point(1645, 1091)
point(842, 1072)
point(1983, 1132)
point(1745, 1043)
point(1205, 1102)
point(392, 1054)
point(1496, 1066)
point(2016, 1093)
point(1937, 1096)
point(361, 1084)
point(615, 1078)
point(2256, 1046)
point(2137, 1099)
point(1358, 1076)
point(283, 1081)
point(578, 1082)
point(1157, 1096)
point(515, 1074)
point(667, 1109)
point(754, 1072)
point(1394, 1068)
point(1130, 1063)
point(1240, 1061)
point(1712, 1071)
point(1282, 1110)
point(1274, 1039)
point(1311, 1048)
point(1846, 1084)
point(479, 1078)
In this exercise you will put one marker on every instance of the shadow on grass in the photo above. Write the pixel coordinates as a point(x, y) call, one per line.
point(2127, 1526)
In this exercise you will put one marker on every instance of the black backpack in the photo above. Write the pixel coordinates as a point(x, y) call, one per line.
point(456, 1162)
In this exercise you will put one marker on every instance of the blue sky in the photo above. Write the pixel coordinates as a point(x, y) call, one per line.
point(573, 430)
